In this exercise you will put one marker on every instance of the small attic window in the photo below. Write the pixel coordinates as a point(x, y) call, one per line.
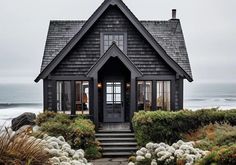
point(108, 38)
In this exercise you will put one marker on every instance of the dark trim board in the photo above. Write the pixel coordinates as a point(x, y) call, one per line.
point(64, 78)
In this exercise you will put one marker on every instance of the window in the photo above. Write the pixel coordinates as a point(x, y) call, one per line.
point(64, 96)
point(144, 95)
point(163, 95)
point(108, 39)
point(113, 93)
point(82, 97)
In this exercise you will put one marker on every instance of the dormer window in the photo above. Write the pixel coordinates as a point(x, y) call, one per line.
point(109, 38)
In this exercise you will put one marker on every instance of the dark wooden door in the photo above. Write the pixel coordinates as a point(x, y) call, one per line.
point(113, 109)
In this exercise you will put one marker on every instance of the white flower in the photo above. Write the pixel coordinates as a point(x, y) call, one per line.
point(171, 149)
point(75, 162)
point(54, 152)
point(131, 163)
point(139, 158)
point(144, 150)
point(64, 159)
point(180, 142)
point(154, 162)
point(148, 155)
point(54, 144)
point(160, 149)
point(175, 145)
point(61, 138)
point(149, 145)
point(65, 163)
point(156, 145)
point(54, 160)
point(139, 153)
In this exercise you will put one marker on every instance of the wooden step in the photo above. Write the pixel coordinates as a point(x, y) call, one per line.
point(119, 144)
point(114, 134)
point(102, 139)
point(118, 153)
point(120, 148)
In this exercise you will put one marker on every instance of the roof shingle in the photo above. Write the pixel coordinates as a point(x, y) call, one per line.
point(167, 33)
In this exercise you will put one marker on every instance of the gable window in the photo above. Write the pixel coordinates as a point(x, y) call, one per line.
point(82, 97)
point(108, 39)
point(163, 95)
point(64, 96)
point(144, 94)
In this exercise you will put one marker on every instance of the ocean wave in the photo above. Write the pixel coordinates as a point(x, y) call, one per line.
point(13, 105)
point(231, 100)
point(195, 99)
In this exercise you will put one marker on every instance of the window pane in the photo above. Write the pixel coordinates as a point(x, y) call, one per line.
point(160, 94)
point(148, 95)
point(59, 96)
point(105, 37)
point(140, 94)
point(82, 97)
point(66, 97)
point(163, 95)
point(167, 95)
point(109, 39)
point(85, 87)
point(121, 37)
point(117, 98)
point(109, 97)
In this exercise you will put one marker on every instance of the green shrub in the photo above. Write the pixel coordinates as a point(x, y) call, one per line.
point(164, 126)
point(43, 117)
point(225, 155)
point(78, 131)
point(212, 135)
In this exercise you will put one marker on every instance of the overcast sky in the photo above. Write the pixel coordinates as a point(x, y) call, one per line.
point(209, 27)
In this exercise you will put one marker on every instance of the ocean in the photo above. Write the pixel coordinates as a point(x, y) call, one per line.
point(18, 98)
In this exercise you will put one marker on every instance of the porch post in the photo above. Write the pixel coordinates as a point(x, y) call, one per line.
point(95, 102)
point(132, 98)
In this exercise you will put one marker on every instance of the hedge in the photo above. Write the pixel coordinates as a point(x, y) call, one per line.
point(165, 126)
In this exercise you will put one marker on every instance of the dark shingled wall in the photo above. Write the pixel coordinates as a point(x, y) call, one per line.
point(87, 51)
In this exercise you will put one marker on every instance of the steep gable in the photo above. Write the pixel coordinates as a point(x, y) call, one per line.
point(172, 62)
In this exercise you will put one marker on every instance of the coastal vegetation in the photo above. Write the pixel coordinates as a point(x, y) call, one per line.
point(168, 127)
point(210, 131)
point(79, 132)
point(18, 148)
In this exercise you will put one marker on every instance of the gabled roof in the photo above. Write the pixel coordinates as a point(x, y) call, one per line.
point(114, 51)
point(172, 48)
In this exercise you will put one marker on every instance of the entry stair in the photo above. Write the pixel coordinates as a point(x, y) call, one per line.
point(117, 142)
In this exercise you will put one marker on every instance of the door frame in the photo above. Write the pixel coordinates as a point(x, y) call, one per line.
point(122, 99)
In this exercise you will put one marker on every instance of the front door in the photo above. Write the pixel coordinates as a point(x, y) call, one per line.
point(113, 108)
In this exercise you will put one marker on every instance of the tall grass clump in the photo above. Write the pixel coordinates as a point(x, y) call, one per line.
point(17, 148)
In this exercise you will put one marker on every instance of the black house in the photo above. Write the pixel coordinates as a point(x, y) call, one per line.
point(113, 64)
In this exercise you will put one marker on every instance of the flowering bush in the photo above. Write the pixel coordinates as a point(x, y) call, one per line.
point(161, 153)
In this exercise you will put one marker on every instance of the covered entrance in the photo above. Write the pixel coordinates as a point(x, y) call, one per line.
point(114, 77)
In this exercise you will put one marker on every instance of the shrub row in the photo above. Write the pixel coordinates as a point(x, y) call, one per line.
point(78, 131)
point(163, 126)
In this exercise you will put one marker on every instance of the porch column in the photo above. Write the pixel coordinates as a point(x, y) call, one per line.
point(132, 98)
point(95, 102)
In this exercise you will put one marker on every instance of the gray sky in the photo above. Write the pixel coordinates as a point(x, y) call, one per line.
point(209, 27)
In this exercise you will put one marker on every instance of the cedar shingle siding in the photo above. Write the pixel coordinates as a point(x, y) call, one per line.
point(87, 51)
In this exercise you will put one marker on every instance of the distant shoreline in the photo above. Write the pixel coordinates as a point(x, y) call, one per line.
point(14, 105)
